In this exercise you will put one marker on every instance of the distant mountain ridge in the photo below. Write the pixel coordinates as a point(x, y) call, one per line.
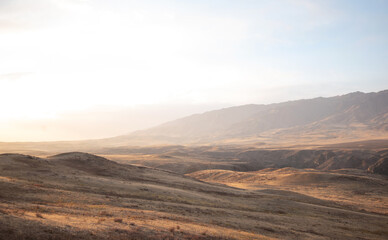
point(331, 117)
point(302, 124)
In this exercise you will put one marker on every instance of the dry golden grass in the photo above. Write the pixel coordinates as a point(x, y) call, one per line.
point(78, 200)
point(354, 188)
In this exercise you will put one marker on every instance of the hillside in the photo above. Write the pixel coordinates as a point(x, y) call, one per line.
point(183, 159)
point(345, 186)
point(354, 116)
point(82, 196)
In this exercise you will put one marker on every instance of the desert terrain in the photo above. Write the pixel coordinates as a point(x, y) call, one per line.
point(193, 120)
point(308, 169)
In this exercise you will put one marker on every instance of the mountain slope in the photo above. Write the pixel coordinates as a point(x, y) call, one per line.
point(310, 123)
point(350, 115)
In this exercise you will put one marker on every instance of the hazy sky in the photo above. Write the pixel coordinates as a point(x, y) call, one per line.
point(61, 60)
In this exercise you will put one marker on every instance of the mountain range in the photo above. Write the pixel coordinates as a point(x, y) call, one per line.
point(302, 124)
point(354, 116)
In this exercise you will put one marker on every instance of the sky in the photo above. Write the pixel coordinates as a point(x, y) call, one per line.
point(80, 69)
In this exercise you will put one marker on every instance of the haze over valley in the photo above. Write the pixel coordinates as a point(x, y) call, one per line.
point(193, 119)
point(326, 155)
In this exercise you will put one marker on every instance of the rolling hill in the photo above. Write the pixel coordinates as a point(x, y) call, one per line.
point(344, 186)
point(183, 159)
point(82, 196)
